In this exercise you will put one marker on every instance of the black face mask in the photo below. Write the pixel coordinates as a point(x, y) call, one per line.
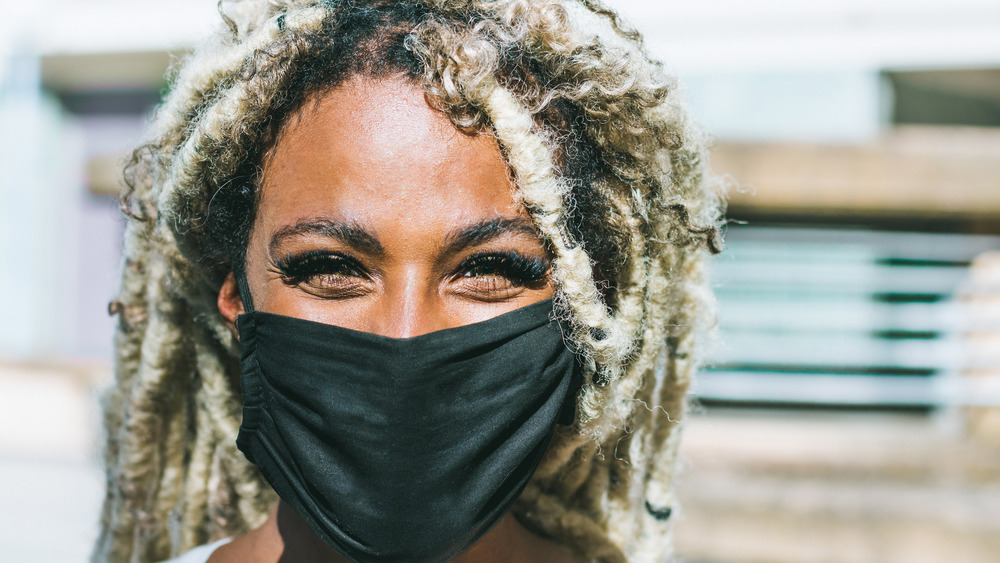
point(402, 449)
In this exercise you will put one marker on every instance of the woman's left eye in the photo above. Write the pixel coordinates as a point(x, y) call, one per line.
point(498, 275)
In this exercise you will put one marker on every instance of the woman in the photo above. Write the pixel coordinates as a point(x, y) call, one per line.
point(384, 205)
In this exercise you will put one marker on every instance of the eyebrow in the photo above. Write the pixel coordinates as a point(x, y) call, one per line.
point(356, 236)
point(488, 230)
point(347, 233)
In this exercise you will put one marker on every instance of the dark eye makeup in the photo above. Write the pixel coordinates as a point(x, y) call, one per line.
point(488, 275)
point(307, 266)
point(520, 270)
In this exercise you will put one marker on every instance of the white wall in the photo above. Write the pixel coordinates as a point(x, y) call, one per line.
point(38, 199)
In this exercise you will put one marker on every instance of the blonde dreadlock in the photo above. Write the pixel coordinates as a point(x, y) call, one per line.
point(604, 161)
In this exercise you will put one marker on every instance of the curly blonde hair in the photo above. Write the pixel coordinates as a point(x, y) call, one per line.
point(604, 160)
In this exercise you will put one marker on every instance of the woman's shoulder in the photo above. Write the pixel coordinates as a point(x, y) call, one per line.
point(199, 554)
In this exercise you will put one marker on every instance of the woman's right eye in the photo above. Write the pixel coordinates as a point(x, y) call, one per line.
point(325, 274)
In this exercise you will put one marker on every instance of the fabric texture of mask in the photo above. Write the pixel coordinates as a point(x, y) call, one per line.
point(402, 449)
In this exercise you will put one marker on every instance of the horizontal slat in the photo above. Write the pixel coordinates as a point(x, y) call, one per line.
point(914, 246)
point(844, 389)
point(835, 350)
point(795, 296)
point(859, 315)
point(870, 278)
point(794, 251)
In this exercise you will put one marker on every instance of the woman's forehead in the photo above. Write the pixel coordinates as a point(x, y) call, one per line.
point(373, 151)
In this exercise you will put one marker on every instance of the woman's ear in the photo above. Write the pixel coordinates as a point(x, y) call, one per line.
point(230, 303)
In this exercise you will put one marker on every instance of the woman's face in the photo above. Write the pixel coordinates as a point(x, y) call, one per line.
point(378, 215)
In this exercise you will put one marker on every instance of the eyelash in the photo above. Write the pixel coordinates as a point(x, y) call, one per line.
point(495, 271)
point(519, 269)
point(300, 268)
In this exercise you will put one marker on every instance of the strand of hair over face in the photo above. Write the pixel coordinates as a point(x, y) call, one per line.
point(605, 487)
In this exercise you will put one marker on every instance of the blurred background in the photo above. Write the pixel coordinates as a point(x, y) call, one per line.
point(850, 409)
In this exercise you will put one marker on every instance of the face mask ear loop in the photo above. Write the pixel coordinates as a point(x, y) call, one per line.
point(241, 284)
point(567, 414)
